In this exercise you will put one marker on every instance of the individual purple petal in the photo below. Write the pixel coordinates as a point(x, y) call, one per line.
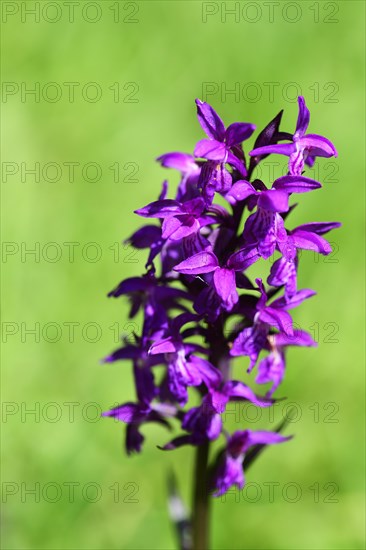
point(214, 428)
point(132, 284)
point(193, 244)
point(298, 338)
point(211, 376)
point(318, 146)
point(203, 421)
point(178, 442)
point(219, 400)
point(263, 295)
point(310, 160)
point(296, 184)
point(179, 378)
point(145, 236)
point(250, 342)
point(179, 227)
point(156, 248)
point(208, 303)
point(144, 382)
point(273, 200)
point(203, 262)
point(234, 388)
point(195, 206)
point(293, 301)
point(168, 345)
point(242, 259)
point(128, 412)
point(271, 369)
point(187, 372)
point(240, 191)
point(266, 438)
point(179, 161)
point(278, 149)
point(311, 241)
point(225, 285)
point(174, 223)
point(160, 209)
point(121, 354)
point(134, 439)
point(210, 121)
point(283, 272)
point(238, 164)
point(214, 178)
point(230, 472)
point(303, 118)
point(237, 444)
point(238, 132)
point(207, 220)
point(211, 149)
point(177, 387)
point(183, 319)
point(277, 318)
point(221, 179)
point(288, 248)
point(320, 228)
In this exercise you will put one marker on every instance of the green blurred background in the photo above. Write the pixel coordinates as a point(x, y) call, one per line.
point(149, 61)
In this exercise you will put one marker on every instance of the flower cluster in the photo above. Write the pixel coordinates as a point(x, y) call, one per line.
point(196, 286)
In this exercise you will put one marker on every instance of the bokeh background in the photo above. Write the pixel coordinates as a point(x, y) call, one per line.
point(148, 61)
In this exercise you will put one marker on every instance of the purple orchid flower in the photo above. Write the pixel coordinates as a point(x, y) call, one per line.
point(205, 422)
point(304, 237)
point(303, 145)
point(221, 141)
point(136, 414)
point(190, 172)
point(218, 150)
point(179, 219)
point(253, 339)
point(142, 368)
point(223, 279)
point(155, 299)
point(265, 228)
point(272, 368)
point(183, 221)
point(230, 471)
point(185, 369)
